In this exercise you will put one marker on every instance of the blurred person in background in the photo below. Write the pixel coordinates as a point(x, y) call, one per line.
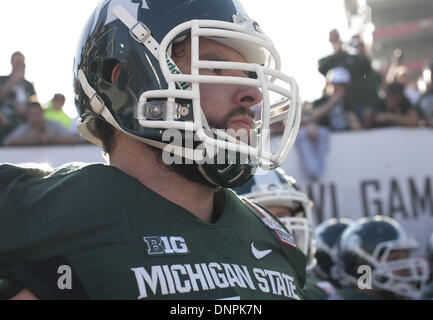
point(397, 72)
point(335, 109)
point(428, 291)
point(410, 87)
point(54, 111)
point(312, 144)
point(339, 58)
point(37, 130)
point(396, 62)
point(363, 84)
point(4, 126)
point(381, 245)
point(425, 103)
point(327, 235)
point(15, 90)
point(15, 93)
point(394, 110)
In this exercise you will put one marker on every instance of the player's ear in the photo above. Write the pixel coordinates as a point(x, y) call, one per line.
point(115, 73)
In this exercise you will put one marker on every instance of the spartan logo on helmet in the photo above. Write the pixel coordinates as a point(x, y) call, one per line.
point(131, 6)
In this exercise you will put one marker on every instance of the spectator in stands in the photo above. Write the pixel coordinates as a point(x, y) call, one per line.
point(425, 104)
point(312, 144)
point(54, 111)
point(335, 109)
point(394, 110)
point(410, 87)
point(333, 112)
point(365, 86)
point(15, 93)
point(396, 61)
point(4, 126)
point(359, 66)
point(38, 130)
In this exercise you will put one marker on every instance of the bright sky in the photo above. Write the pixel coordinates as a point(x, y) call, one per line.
point(47, 32)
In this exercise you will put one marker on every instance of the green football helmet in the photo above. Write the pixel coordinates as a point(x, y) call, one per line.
point(429, 249)
point(327, 235)
point(149, 96)
point(382, 244)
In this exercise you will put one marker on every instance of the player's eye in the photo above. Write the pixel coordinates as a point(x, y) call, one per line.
point(216, 71)
point(251, 74)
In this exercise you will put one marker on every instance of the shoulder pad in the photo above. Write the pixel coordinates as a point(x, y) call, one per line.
point(14, 174)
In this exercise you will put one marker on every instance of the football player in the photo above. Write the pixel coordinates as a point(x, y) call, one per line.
point(327, 236)
point(325, 272)
point(428, 291)
point(278, 193)
point(375, 261)
point(165, 87)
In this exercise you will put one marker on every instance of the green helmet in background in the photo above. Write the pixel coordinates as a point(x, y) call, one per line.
point(429, 249)
point(381, 244)
point(327, 235)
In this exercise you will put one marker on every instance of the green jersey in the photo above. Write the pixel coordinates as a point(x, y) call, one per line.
point(94, 232)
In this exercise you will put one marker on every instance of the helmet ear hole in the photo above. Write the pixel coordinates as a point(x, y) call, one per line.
point(381, 253)
point(110, 70)
point(115, 73)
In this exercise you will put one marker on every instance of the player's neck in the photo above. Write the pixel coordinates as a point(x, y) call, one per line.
point(132, 158)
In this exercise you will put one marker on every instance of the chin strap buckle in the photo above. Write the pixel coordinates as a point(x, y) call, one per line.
point(97, 104)
point(140, 32)
point(96, 101)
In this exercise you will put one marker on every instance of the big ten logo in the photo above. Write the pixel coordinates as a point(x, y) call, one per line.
point(364, 280)
point(166, 245)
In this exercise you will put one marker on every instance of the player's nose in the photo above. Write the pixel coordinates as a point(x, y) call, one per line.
point(247, 96)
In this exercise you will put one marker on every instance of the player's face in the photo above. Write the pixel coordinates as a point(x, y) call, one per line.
point(394, 100)
point(18, 61)
point(280, 211)
point(226, 106)
point(35, 116)
point(398, 255)
point(58, 103)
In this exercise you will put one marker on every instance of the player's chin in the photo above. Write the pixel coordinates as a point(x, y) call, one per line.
point(240, 132)
point(240, 127)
